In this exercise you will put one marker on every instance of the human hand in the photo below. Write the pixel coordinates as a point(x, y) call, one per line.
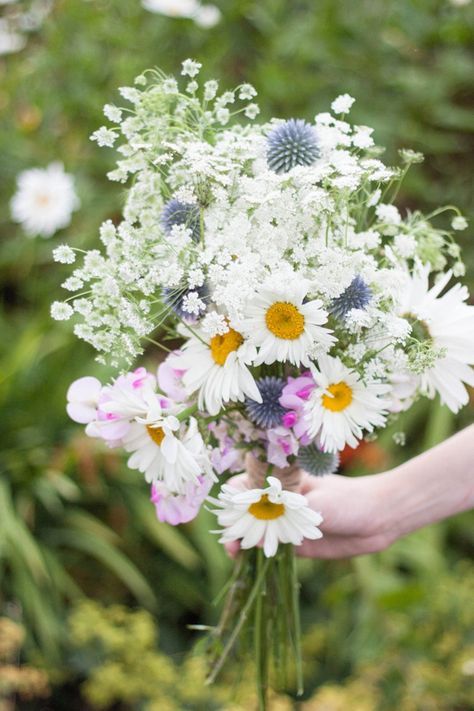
point(353, 512)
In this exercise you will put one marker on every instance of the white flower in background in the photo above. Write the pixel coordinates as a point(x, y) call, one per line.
point(284, 326)
point(342, 406)
point(45, 200)
point(10, 40)
point(447, 324)
point(205, 16)
point(270, 515)
point(172, 8)
point(17, 22)
point(218, 369)
point(164, 450)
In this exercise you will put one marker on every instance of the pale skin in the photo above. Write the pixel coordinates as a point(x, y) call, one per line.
point(367, 514)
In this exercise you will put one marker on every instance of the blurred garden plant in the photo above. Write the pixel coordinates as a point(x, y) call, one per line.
point(17, 680)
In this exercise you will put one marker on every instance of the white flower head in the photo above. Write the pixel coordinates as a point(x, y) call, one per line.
point(61, 311)
point(217, 367)
point(459, 223)
point(388, 214)
point(271, 516)
point(164, 450)
point(446, 323)
point(283, 326)
point(190, 68)
point(64, 254)
point(104, 137)
point(342, 104)
point(247, 92)
point(45, 200)
point(251, 111)
point(342, 406)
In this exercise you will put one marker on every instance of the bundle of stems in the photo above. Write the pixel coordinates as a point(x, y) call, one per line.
point(261, 617)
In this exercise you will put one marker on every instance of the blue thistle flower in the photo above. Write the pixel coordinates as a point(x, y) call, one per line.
point(292, 143)
point(356, 296)
point(269, 412)
point(174, 299)
point(176, 212)
point(312, 460)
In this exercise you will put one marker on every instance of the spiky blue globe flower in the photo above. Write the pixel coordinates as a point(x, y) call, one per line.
point(176, 212)
point(313, 461)
point(356, 296)
point(174, 298)
point(269, 412)
point(292, 143)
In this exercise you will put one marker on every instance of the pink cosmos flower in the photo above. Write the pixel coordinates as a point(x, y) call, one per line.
point(83, 398)
point(225, 457)
point(179, 508)
point(170, 379)
point(293, 398)
point(281, 444)
point(109, 410)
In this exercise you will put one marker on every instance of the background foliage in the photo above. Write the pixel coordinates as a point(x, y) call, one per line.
point(392, 631)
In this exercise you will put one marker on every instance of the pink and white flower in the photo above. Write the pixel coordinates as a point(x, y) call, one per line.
point(180, 508)
point(281, 445)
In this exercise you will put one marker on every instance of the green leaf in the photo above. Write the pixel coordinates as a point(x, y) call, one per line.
point(112, 558)
point(167, 537)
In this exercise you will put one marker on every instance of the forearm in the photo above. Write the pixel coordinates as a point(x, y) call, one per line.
point(433, 486)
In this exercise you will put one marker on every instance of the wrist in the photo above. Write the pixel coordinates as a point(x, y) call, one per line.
point(388, 492)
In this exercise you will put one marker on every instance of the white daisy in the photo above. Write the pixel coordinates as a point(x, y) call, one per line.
point(269, 515)
point(45, 200)
point(447, 322)
point(284, 327)
point(172, 8)
point(164, 450)
point(217, 367)
point(342, 406)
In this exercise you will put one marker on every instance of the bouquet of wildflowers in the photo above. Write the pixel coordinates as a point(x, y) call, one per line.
point(297, 309)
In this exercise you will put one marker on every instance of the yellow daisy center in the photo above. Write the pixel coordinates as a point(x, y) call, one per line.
point(221, 346)
point(43, 199)
point(266, 510)
point(340, 398)
point(156, 434)
point(284, 320)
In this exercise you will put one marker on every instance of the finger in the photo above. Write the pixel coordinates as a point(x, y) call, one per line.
point(239, 481)
point(340, 547)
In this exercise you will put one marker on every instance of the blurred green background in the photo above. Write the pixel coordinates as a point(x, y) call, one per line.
point(95, 594)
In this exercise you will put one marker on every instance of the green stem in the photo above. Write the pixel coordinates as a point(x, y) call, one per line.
point(295, 604)
point(156, 343)
point(399, 185)
point(240, 623)
point(259, 641)
point(284, 632)
point(184, 414)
